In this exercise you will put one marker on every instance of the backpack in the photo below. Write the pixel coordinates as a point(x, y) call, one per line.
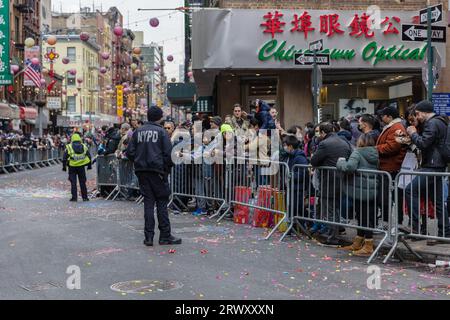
point(444, 146)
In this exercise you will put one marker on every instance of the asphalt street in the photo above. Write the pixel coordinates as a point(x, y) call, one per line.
point(42, 234)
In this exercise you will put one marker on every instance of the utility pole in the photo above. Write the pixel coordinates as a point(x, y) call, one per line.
point(430, 55)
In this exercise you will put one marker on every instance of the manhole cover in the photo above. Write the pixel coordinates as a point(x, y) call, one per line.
point(40, 286)
point(138, 286)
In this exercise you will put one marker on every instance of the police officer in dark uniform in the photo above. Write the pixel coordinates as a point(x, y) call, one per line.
point(77, 156)
point(150, 149)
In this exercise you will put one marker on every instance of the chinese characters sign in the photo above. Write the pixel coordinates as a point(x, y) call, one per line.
point(5, 69)
point(239, 38)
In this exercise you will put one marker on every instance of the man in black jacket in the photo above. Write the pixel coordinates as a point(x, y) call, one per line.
point(429, 187)
point(330, 149)
point(112, 138)
point(150, 149)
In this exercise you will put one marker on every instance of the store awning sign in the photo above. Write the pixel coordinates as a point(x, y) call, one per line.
point(307, 59)
point(436, 14)
point(5, 68)
point(417, 32)
point(274, 38)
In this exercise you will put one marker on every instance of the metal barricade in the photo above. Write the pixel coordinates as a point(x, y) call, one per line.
point(26, 158)
point(3, 161)
point(357, 200)
point(260, 185)
point(203, 182)
point(127, 179)
point(107, 173)
point(425, 199)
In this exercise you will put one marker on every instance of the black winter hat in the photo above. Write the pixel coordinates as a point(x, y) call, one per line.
point(154, 113)
point(389, 111)
point(217, 120)
point(425, 106)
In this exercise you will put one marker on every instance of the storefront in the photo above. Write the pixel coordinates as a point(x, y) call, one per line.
point(5, 116)
point(28, 115)
point(243, 55)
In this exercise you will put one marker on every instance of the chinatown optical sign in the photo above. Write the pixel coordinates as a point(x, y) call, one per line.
point(238, 38)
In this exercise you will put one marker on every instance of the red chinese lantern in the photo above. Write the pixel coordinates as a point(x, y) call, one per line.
point(14, 68)
point(51, 40)
point(65, 60)
point(118, 31)
point(84, 36)
point(103, 70)
point(190, 74)
point(105, 55)
point(75, 94)
point(64, 91)
point(72, 72)
point(80, 80)
point(157, 68)
point(154, 22)
point(170, 58)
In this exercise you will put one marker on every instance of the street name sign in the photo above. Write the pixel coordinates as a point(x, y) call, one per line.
point(307, 59)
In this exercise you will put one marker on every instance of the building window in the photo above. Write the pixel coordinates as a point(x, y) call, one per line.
point(17, 30)
point(72, 53)
point(71, 104)
point(70, 80)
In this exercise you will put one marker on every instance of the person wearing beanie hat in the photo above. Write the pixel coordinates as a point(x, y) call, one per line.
point(154, 114)
point(216, 122)
point(429, 142)
point(425, 106)
point(150, 149)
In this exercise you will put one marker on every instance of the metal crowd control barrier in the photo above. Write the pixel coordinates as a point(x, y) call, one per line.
point(204, 182)
point(426, 201)
point(107, 173)
point(28, 158)
point(126, 178)
point(337, 199)
point(261, 185)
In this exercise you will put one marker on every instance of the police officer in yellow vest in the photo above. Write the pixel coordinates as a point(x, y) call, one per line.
point(77, 157)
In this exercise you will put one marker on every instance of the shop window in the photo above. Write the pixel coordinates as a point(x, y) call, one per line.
point(71, 104)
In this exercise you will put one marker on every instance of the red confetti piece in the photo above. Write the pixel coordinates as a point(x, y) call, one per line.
point(172, 251)
point(203, 251)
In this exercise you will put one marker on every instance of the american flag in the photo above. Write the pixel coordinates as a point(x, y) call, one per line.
point(32, 73)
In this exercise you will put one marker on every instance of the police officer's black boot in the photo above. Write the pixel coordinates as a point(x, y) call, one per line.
point(148, 241)
point(170, 240)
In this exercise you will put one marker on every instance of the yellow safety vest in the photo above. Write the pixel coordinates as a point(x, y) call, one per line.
point(77, 160)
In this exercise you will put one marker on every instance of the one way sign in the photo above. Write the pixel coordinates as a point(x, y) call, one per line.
point(417, 32)
point(436, 14)
point(307, 59)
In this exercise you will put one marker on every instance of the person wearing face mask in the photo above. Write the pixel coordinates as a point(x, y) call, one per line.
point(330, 149)
point(368, 124)
point(296, 156)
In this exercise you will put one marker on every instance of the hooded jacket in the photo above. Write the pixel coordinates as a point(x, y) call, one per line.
point(265, 120)
point(360, 186)
point(78, 148)
point(300, 174)
point(112, 140)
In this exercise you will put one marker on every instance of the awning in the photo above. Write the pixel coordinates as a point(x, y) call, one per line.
point(15, 111)
point(28, 113)
point(5, 111)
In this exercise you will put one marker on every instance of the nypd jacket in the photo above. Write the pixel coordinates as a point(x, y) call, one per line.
point(150, 149)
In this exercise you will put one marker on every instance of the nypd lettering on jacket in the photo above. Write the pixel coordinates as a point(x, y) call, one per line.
point(147, 136)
